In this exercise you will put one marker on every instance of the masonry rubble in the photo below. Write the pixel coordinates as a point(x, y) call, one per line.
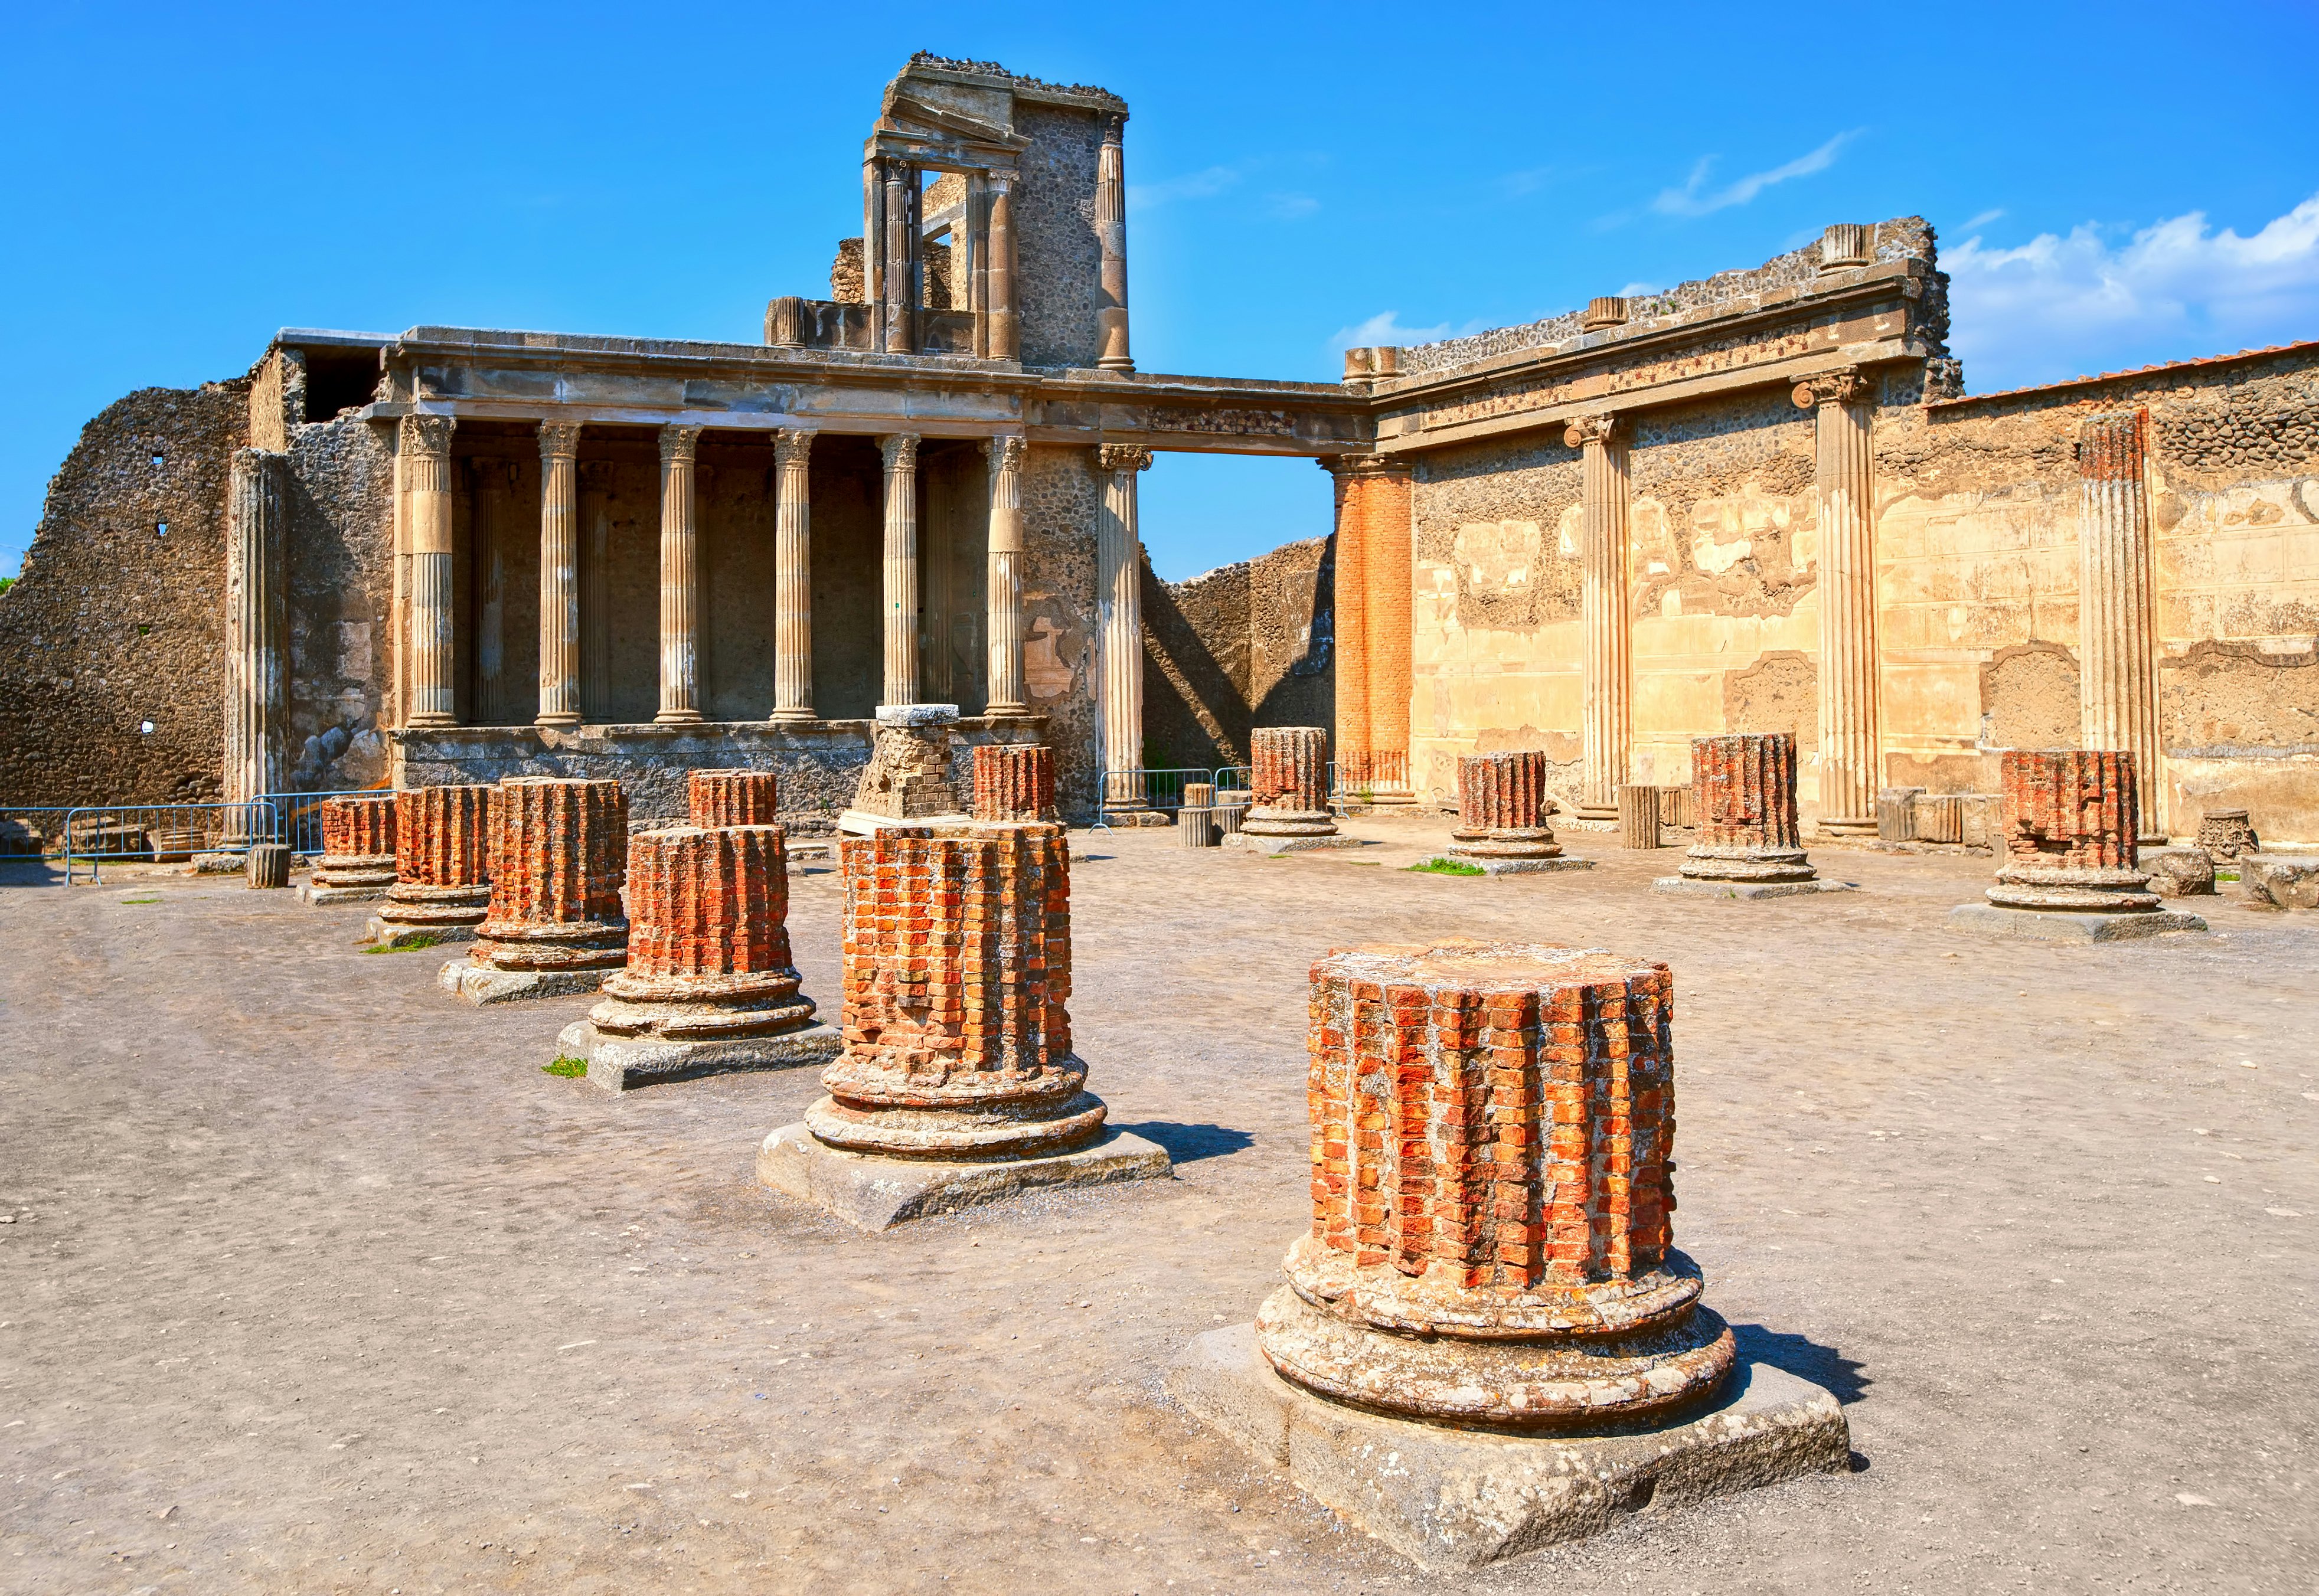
point(1749, 842)
point(908, 780)
point(1289, 787)
point(442, 868)
point(1502, 808)
point(2069, 869)
point(357, 862)
point(555, 923)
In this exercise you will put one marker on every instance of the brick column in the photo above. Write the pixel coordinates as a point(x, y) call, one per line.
point(558, 856)
point(1744, 789)
point(1119, 626)
point(680, 579)
point(1013, 781)
point(1607, 733)
point(958, 970)
point(442, 845)
point(357, 862)
point(1111, 237)
point(559, 573)
point(734, 798)
point(2117, 690)
point(793, 577)
point(2069, 822)
point(1492, 1240)
point(1350, 603)
point(1006, 336)
point(255, 617)
point(901, 569)
point(1502, 806)
point(1005, 597)
point(1850, 758)
point(425, 455)
point(1289, 782)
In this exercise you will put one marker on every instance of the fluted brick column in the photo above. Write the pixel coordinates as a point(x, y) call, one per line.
point(1013, 781)
point(680, 579)
point(1111, 238)
point(1004, 595)
point(357, 862)
point(442, 858)
point(1607, 734)
point(1374, 617)
point(901, 569)
point(793, 576)
point(1502, 806)
point(256, 619)
point(559, 573)
point(558, 856)
point(1850, 738)
point(734, 797)
point(1289, 782)
point(1492, 1240)
point(425, 458)
point(1004, 334)
point(1744, 789)
point(958, 973)
point(2068, 841)
point(1119, 626)
point(2117, 691)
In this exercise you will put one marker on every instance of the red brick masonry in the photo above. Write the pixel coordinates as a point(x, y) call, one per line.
point(734, 797)
point(1013, 781)
point(442, 842)
point(1743, 790)
point(357, 842)
point(559, 853)
point(2069, 832)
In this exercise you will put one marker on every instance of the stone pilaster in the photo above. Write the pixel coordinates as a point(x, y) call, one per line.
point(558, 857)
point(1119, 626)
point(596, 592)
point(1005, 579)
point(734, 798)
point(901, 569)
point(357, 862)
point(256, 617)
point(1013, 781)
point(442, 870)
point(1744, 788)
point(2117, 694)
point(1850, 754)
point(1492, 1206)
point(1608, 729)
point(425, 454)
point(1502, 806)
point(1005, 327)
point(1110, 235)
point(680, 579)
point(793, 576)
point(559, 573)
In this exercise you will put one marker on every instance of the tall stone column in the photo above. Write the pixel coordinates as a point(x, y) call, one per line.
point(487, 533)
point(1006, 332)
point(2117, 696)
point(901, 583)
point(426, 454)
point(596, 592)
point(1608, 730)
point(793, 577)
point(680, 579)
point(1119, 626)
point(1004, 594)
point(1111, 234)
point(901, 313)
point(1350, 605)
point(559, 573)
point(256, 617)
point(1850, 755)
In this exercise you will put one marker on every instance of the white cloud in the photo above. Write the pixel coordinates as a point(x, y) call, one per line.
point(1639, 290)
point(1689, 201)
point(1290, 207)
point(1984, 218)
point(1191, 185)
point(2058, 306)
point(1385, 328)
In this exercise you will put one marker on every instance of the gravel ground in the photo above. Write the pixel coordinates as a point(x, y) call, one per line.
point(312, 1281)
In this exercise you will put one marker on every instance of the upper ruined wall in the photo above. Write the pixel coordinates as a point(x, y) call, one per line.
point(1245, 645)
point(1061, 258)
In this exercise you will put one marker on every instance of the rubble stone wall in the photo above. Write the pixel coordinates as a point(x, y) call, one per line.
point(1246, 645)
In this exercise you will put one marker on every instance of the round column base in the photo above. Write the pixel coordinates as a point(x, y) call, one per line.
point(1266, 822)
point(1747, 864)
point(586, 944)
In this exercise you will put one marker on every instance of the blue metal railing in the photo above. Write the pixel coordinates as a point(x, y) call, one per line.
point(94, 834)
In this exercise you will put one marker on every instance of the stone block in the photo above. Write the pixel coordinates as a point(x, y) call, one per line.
point(2279, 880)
point(1260, 842)
point(2064, 926)
point(878, 1193)
point(1749, 889)
point(2179, 872)
point(1454, 1499)
point(619, 1063)
point(391, 934)
point(319, 892)
point(481, 985)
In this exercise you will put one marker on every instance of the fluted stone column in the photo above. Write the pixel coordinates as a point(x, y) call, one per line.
point(2117, 695)
point(559, 573)
point(1608, 729)
point(1111, 234)
point(901, 313)
point(1850, 758)
point(1119, 626)
point(1005, 591)
point(1005, 330)
point(426, 454)
point(793, 577)
point(256, 617)
point(680, 579)
point(596, 592)
point(901, 576)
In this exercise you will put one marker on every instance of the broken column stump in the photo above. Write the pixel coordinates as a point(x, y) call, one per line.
point(708, 986)
point(2228, 833)
point(907, 781)
point(1289, 789)
point(442, 874)
point(1749, 843)
point(1487, 1341)
point(1013, 781)
point(958, 1085)
point(357, 862)
point(1196, 817)
point(558, 855)
point(267, 865)
point(734, 798)
point(1502, 806)
point(2069, 869)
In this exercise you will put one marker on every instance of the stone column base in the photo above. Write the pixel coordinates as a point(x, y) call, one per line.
point(860, 823)
point(1120, 819)
point(481, 984)
point(1499, 865)
point(1452, 1499)
point(2066, 926)
point(619, 1063)
point(877, 1193)
point(1260, 842)
point(320, 892)
point(1699, 888)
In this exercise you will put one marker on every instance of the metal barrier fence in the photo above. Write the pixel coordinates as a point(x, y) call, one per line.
point(1142, 787)
point(159, 833)
point(298, 815)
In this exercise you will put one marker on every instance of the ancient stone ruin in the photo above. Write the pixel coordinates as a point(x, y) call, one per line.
point(958, 1084)
point(2228, 833)
point(442, 870)
point(908, 778)
point(1014, 782)
point(357, 862)
point(1289, 779)
point(1492, 1253)
point(1749, 842)
point(2069, 868)
point(555, 924)
point(708, 984)
point(1502, 808)
point(734, 798)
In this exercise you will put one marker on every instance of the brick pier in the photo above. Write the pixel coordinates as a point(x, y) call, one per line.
point(558, 856)
point(357, 862)
point(2070, 868)
point(734, 798)
point(1013, 781)
point(442, 879)
point(1749, 841)
point(1501, 807)
point(1289, 789)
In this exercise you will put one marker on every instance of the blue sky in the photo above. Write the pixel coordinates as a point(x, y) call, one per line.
point(2112, 185)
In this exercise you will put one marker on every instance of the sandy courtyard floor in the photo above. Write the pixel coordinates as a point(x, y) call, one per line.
point(312, 1281)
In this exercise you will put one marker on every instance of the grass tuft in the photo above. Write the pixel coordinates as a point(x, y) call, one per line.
point(1445, 867)
point(425, 939)
point(567, 1068)
point(155, 899)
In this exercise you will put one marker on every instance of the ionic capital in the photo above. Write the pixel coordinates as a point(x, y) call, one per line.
point(428, 434)
point(678, 445)
point(1598, 429)
point(1848, 386)
point(1349, 465)
point(558, 440)
point(792, 446)
point(1119, 457)
point(1004, 453)
point(900, 450)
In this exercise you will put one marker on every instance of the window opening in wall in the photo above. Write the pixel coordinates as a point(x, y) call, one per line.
point(145, 727)
point(161, 528)
point(160, 460)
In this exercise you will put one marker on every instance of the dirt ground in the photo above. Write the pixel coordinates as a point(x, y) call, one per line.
point(313, 1280)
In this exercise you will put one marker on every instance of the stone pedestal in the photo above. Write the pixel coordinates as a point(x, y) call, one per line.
point(2070, 858)
point(908, 780)
point(734, 798)
point(1502, 806)
point(2226, 834)
point(357, 862)
point(958, 1044)
point(558, 856)
point(708, 986)
point(2178, 872)
point(442, 873)
point(1749, 844)
point(1013, 781)
point(1289, 782)
point(1490, 1273)
point(267, 865)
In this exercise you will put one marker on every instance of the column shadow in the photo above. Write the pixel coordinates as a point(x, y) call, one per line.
point(1188, 1145)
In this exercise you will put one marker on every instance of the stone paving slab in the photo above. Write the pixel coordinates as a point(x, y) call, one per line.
point(878, 1193)
point(1748, 889)
point(2057, 926)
